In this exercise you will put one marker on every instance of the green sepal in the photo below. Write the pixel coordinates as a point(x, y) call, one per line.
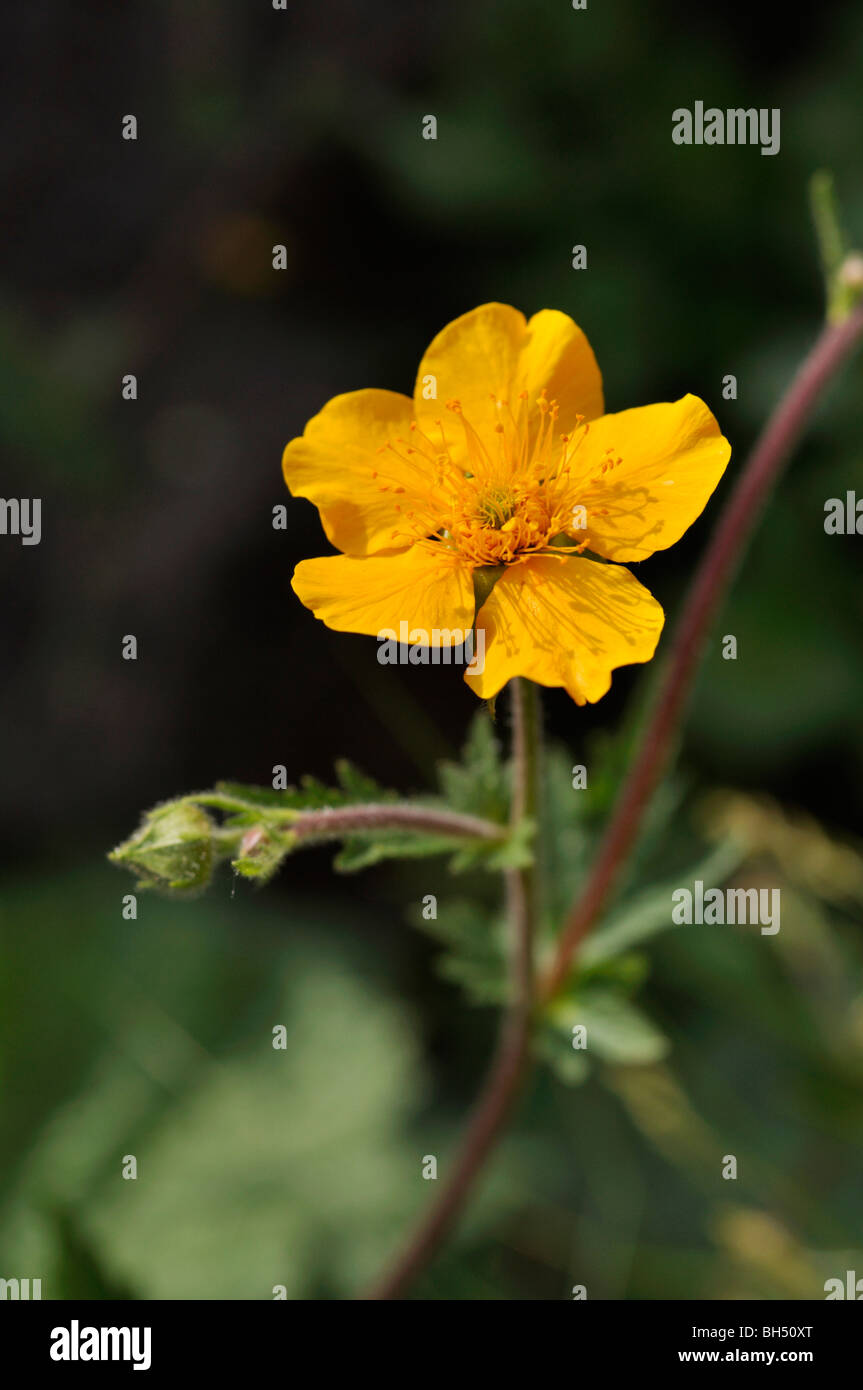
point(262, 853)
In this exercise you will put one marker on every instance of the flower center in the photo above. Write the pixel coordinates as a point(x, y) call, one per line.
point(497, 523)
point(506, 493)
point(496, 507)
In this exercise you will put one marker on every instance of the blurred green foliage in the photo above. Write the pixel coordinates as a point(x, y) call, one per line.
point(257, 1166)
point(261, 1167)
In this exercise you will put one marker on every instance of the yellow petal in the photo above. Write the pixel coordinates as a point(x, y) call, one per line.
point(494, 351)
point(567, 622)
point(672, 456)
point(427, 587)
point(558, 356)
point(334, 464)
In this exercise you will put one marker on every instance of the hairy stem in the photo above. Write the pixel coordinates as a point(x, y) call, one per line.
point(339, 820)
point(509, 1063)
point(736, 524)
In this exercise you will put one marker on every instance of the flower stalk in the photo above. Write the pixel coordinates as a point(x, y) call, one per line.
point(509, 1065)
point(178, 845)
point(339, 821)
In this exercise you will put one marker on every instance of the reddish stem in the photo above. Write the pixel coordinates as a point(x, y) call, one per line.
point(496, 1098)
point(736, 524)
point(334, 822)
point(498, 1093)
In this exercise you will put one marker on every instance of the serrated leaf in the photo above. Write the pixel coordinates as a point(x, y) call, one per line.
point(311, 794)
point(513, 851)
point(479, 784)
point(358, 786)
point(360, 851)
point(474, 938)
point(267, 798)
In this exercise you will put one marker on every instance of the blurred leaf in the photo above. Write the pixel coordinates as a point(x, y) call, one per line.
point(615, 1031)
point(361, 850)
point(266, 1166)
point(646, 914)
point(312, 794)
point(474, 958)
point(570, 1065)
point(618, 1031)
point(479, 784)
point(79, 1271)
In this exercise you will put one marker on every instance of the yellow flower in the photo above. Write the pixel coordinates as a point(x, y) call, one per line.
point(504, 462)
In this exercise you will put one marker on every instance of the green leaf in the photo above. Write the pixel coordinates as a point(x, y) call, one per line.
point(243, 796)
point(80, 1272)
point(649, 913)
point(550, 1046)
point(362, 850)
point(616, 1030)
point(475, 955)
point(357, 786)
point(514, 851)
point(310, 795)
point(479, 784)
point(256, 1166)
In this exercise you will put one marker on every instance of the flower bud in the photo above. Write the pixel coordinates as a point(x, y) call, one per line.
point(172, 849)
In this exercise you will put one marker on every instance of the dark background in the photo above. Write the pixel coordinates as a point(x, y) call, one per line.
point(302, 127)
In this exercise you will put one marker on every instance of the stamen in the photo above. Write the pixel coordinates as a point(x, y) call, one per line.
point(493, 503)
